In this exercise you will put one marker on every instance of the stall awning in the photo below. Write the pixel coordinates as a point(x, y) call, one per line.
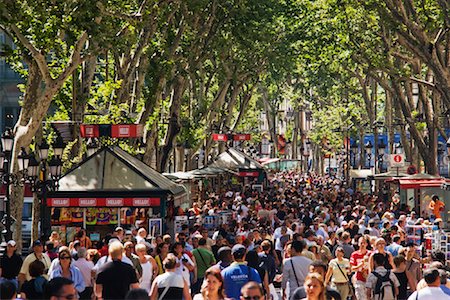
point(361, 174)
point(420, 183)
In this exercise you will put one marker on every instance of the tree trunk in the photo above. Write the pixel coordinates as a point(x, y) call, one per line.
point(174, 123)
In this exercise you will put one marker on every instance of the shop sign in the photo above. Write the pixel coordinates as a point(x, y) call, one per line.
point(114, 201)
point(220, 137)
point(249, 174)
point(241, 137)
point(141, 201)
point(87, 202)
point(60, 202)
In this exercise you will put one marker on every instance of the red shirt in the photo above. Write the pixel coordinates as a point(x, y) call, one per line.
point(355, 259)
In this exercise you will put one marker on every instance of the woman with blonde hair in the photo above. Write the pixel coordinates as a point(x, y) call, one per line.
point(314, 287)
point(149, 268)
point(212, 287)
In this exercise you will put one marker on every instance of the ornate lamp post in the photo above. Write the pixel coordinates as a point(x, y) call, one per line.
point(440, 152)
point(43, 176)
point(368, 147)
point(448, 157)
point(399, 148)
point(381, 151)
point(9, 178)
point(354, 150)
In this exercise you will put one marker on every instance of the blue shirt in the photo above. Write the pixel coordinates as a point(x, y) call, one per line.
point(236, 276)
point(394, 249)
point(75, 275)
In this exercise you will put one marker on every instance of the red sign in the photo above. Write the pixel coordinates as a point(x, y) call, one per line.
point(220, 137)
point(249, 174)
point(242, 137)
point(103, 202)
point(126, 130)
point(117, 130)
point(60, 202)
point(87, 202)
point(89, 131)
point(114, 202)
point(398, 158)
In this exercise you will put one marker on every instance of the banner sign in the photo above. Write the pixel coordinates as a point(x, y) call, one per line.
point(112, 130)
point(242, 137)
point(103, 202)
point(249, 174)
point(220, 137)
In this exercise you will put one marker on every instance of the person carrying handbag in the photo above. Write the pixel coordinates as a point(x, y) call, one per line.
point(338, 271)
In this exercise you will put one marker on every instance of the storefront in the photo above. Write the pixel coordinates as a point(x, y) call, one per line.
point(113, 188)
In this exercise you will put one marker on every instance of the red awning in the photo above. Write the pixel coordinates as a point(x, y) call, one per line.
point(418, 183)
point(103, 202)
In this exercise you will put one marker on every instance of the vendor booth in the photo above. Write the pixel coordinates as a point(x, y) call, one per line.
point(113, 188)
point(230, 168)
point(251, 171)
point(418, 189)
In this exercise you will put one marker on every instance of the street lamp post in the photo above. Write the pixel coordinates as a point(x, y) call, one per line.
point(368, 146)
point(43, 176)
point(354, 149)
point(440, 151)
point(381, 151)
point(9, 178)
point(448, 157)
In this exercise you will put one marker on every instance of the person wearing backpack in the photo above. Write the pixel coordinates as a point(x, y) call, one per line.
point(381, 284)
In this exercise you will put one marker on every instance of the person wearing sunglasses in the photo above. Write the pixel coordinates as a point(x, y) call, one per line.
point(67, 270)
point(252, 291)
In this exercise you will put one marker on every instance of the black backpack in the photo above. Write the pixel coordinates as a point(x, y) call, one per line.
point(384, 288)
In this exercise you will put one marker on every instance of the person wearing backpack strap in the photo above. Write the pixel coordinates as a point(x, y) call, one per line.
point(381, 284)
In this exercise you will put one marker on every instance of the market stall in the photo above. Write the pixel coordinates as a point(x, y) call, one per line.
point(113, 188)
point(418, 190)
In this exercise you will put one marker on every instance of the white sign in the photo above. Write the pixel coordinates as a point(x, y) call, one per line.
point(397, 160)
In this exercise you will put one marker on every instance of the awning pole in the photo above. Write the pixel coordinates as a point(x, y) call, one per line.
point(84, 217)
point(118, 217)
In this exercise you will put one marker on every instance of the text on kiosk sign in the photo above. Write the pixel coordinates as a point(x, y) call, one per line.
point(103, 202)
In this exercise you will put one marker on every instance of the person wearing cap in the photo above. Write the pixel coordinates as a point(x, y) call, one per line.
point(37, 254)
point(238, 273)
point(119, 233)
point(225, 258)
point(10, 264)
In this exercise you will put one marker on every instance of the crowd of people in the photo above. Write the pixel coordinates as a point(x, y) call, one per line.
point(305, 234)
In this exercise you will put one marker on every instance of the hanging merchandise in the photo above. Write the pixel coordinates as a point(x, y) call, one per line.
point(77, 215)
point(91, 216)
point(102, 216)
point(66, 216)
point(113, 216)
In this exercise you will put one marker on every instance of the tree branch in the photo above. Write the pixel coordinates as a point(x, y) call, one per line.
point(35, 53)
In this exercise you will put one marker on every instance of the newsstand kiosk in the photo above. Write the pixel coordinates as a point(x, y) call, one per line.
point(112, 188)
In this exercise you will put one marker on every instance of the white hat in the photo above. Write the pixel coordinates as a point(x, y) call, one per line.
point(11, 243)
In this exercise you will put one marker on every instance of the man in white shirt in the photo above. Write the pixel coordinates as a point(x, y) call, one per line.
point(433, 291)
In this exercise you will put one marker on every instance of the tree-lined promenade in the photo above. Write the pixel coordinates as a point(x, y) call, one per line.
point(187, 69)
